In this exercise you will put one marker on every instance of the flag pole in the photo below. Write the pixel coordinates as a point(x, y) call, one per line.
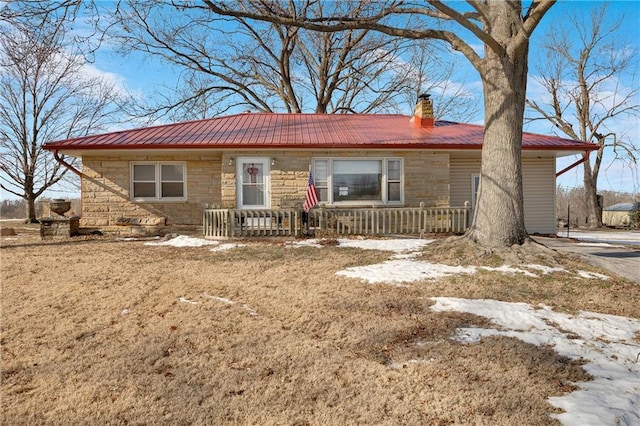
point(311, 195)
point(306, 212)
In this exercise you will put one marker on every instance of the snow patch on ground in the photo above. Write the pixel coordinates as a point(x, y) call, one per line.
point(606, 342)
point(184, 241)
point(407, 270)
point(403, 270)
point(591, 275)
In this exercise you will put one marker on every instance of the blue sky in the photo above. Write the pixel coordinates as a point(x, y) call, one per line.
point(142, 76)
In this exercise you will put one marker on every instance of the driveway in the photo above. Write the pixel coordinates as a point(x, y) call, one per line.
point(615, 251)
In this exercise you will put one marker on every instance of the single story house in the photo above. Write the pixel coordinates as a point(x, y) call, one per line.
point(168, 175)
point(619, 214)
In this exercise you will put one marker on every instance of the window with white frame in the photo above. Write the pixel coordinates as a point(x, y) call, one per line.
point(359, 180)
point(475, 185)
point(158, 181)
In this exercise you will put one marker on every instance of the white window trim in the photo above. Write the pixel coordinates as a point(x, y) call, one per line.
point(266, 162)
point(158, 182)
point(383, 202)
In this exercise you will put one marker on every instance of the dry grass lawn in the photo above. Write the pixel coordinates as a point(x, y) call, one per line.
point(94, 331)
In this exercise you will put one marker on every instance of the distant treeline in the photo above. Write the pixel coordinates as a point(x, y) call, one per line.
point(574, 198)
point(16, 209)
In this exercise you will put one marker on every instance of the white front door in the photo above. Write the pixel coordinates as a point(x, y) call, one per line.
point(253, 182)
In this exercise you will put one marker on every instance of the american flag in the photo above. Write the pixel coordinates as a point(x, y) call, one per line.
point(311, 198)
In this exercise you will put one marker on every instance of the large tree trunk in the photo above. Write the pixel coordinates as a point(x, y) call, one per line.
point(594, 209)
point(499, 215)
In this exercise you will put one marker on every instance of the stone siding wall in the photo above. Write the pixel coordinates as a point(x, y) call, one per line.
point(211, 183)
point(426, 178)
point(107, 205)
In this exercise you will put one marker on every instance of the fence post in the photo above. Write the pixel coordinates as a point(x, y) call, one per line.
point(375, 215)
point(467, 209)
point(204, 222)
point(230, 223)
point(321, 221)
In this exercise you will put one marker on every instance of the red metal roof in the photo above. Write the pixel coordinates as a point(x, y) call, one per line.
point(266, 130)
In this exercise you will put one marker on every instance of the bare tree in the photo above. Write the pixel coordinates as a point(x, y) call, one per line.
point(45, 94)
point(21, 12)
point(25, 14)
point(238, 63)
point(430, 69)
point(586, 93)
point(504, 27)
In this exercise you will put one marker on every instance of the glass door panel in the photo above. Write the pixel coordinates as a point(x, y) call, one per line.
point(253, 183)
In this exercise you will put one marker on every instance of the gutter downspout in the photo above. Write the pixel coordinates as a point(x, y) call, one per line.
point(585, 157)
point(67, 165)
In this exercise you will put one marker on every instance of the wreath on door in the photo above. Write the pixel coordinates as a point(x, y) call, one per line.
point(253, 173)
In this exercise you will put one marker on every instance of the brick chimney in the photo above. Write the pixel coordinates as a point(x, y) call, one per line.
point(423, 113)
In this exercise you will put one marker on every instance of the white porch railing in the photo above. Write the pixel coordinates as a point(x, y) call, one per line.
point(380, 221)
point(229, 223)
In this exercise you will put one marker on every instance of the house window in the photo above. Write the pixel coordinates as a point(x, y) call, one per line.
point(359, 181)
point(475, 185)
point(394, 180)
point(158, 181)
